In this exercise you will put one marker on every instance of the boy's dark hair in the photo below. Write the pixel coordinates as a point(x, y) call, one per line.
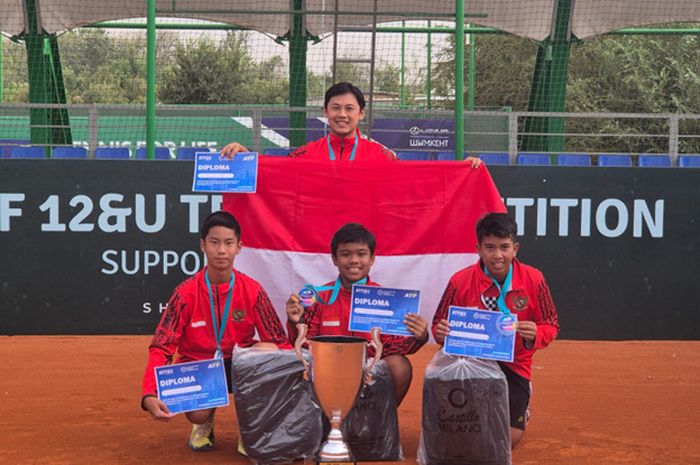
point(343, 88)
point(220, 218)
point(353, 232)
point(500, 225)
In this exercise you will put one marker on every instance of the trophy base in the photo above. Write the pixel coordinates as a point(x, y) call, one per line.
point(328, 461)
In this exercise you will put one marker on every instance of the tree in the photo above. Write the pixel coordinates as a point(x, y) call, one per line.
point(207, 72)
point(634, 74)
point(503, 71)
point(15, 79)
point(387, 80)
point(98, 68)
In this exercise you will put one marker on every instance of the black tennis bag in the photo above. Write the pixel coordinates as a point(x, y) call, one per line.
point(278, 415)
point(371, 429)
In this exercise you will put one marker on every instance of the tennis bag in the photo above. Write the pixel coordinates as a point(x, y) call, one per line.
point(278, 415)
point(465, 418)
point(371, 429)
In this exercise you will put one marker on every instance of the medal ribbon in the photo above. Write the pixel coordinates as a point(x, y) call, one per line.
point(332, 154)
point(336, 290)
point(219, 334)
point(501, 302)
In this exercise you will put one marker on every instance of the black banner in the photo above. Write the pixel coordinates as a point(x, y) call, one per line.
point(96, 247)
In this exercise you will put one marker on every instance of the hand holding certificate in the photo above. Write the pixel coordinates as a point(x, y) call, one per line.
point(185, 387)
point(384, 308)
point(481, 333)
point(212, 173)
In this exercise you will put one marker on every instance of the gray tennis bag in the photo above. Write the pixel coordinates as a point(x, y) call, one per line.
point(278, 415)
point(371, 429)
point(465, 420)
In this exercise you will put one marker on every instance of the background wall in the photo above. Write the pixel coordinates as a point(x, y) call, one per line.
point(96, 247)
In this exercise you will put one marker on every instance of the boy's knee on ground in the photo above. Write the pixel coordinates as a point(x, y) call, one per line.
point(198, 417)
point(515, 436)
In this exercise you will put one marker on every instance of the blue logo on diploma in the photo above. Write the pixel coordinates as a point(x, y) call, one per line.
point(382, 307)
point(215, 174)
point(481, 333)
point(184, 387)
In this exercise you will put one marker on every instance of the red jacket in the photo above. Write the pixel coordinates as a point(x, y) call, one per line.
point(342, 148)
point(529, 298)
point(333, 320)
point(186, 325)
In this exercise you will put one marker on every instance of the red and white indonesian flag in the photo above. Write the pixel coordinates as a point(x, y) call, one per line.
point(422, 213)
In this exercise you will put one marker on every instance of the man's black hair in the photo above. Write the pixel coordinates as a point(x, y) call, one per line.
point(353, 232)
point(500, 225)
point(220, 218)
point(343, 88)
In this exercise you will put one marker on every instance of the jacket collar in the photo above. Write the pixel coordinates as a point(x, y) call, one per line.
point(485, 282)
point(346, 141)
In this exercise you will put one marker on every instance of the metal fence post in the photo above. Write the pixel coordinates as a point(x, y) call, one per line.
point(257, 129)
point(93, 126)
point(512, 136)
point(673, 139)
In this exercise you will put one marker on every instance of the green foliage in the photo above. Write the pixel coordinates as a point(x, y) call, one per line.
point(387, 81)
point(634, 74)
point(316, 85)
point(15, 79)
point(356, 73)
point(98, 68)
point(208, 72)
point(503, 70)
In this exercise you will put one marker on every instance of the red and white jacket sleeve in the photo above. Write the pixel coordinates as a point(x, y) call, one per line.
point(165, 340)
point(547, 320)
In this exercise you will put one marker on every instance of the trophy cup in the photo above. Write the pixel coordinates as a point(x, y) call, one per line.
point(337, 375)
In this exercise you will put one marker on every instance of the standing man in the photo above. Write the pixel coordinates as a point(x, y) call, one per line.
point(344, 108)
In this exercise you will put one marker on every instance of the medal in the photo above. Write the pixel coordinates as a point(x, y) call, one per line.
point(307, 294)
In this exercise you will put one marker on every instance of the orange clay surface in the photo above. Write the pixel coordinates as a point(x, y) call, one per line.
point(75, 400)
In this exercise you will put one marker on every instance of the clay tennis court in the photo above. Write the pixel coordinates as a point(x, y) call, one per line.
point(74, 400)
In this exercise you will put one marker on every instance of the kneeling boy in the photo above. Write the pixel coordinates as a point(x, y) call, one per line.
point(526, 295)
point(352, 251)
point(218, 299)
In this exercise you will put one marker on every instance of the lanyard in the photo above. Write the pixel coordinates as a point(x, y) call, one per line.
point(336, 290)
point(330, 149)
point(219, 334)
point(501, 302)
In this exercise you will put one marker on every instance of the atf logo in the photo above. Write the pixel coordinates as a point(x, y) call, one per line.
point(214, 365)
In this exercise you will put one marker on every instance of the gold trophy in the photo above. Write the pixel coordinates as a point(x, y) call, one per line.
point(337, 375)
